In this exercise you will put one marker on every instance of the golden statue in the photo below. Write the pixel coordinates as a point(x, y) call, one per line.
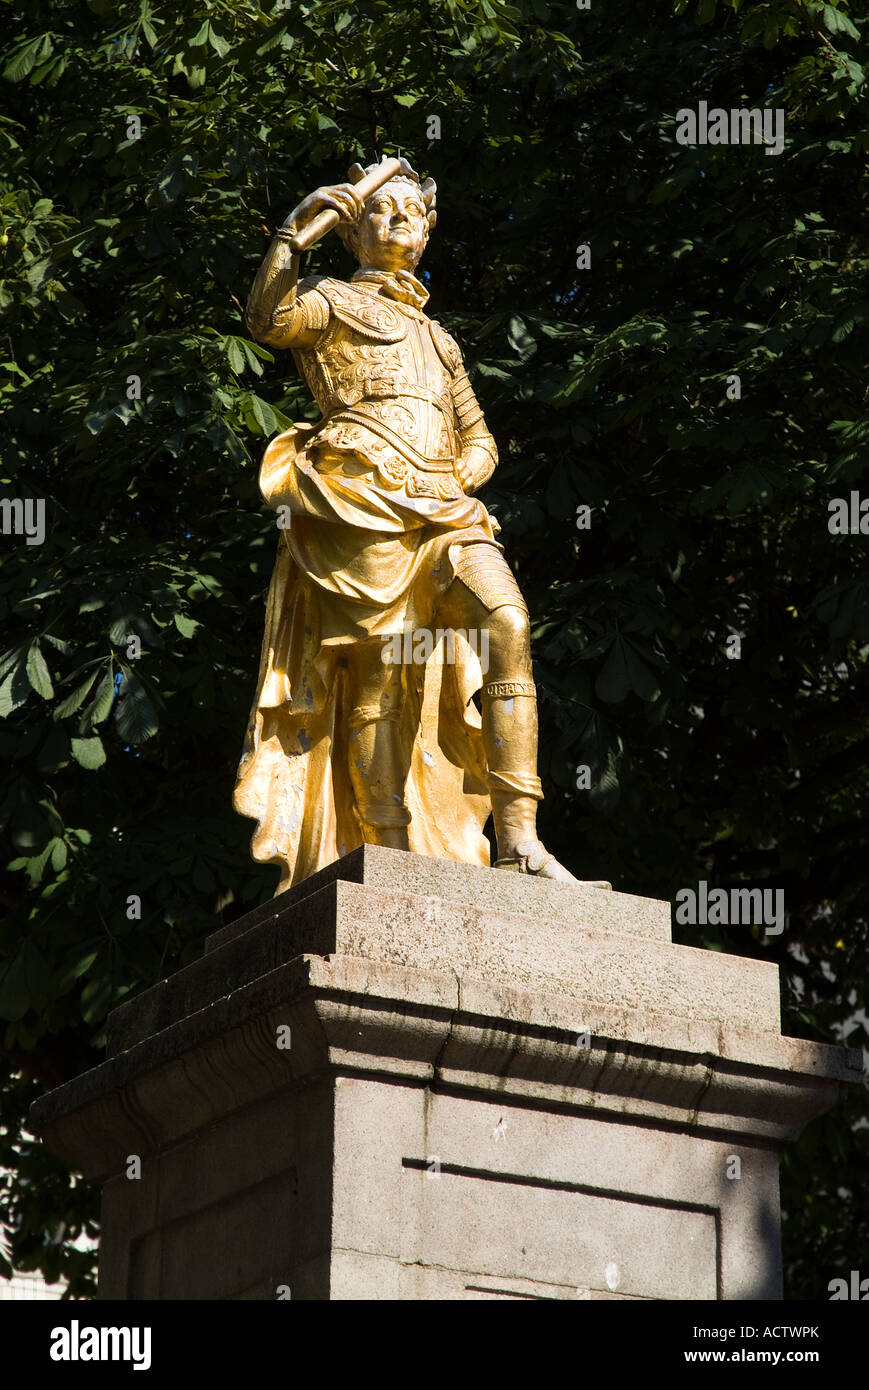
point(391, 604)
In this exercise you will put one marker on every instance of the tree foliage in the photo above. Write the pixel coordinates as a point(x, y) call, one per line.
point(149, 151)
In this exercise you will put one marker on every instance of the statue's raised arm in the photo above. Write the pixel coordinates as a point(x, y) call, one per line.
point(271, 315)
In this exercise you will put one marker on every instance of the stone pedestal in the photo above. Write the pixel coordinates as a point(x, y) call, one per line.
point(410, 1078)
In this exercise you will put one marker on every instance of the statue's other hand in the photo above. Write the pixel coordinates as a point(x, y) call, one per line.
point(342, 197)
point(465, 473)
point(474, 467)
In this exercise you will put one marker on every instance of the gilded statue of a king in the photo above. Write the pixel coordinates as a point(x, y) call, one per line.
point(356, 737)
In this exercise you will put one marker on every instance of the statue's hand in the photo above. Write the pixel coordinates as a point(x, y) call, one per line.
point(465, 473)
point(341, 196)
point(474, 467)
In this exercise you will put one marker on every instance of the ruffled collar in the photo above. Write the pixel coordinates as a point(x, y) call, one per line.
point(395, 284)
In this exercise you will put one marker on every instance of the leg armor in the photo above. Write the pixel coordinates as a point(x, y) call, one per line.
point(377, 773)
point(483, 569)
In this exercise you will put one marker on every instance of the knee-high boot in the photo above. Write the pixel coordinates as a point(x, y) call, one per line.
point(510, 741)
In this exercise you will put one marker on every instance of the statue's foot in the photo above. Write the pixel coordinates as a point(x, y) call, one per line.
point(530, 857)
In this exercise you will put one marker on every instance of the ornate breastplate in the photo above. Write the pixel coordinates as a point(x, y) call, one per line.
point(381, 374)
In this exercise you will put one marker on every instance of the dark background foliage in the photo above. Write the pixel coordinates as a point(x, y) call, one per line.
point(130, 257)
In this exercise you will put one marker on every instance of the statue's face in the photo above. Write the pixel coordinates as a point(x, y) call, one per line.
point(393, 228)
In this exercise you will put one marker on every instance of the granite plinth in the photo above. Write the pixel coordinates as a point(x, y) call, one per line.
point(370, 1089)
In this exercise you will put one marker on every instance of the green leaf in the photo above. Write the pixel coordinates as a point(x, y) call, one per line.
point(88, 752)
point(97, 998)
point(520, 339)
point(12, 659)
point(172, 179)
point(186, 626)
point(24, 57)
point(623, 671)
point(76, 965)
point(76, 699)
point(38, 674)
point(219, 44)
point(843, 329)
point(49, 72)
point(838, 23)
point(15, 690)
point(234, 356)
point(102, 702)
point(135, 717)
point(264, 415)
point(252, 358)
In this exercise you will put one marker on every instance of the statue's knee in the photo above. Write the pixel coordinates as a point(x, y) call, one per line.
point(509, 645)
point(510, 623)
point(510, 635)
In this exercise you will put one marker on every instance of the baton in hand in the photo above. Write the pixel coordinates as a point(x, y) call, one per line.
point(329, 218)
